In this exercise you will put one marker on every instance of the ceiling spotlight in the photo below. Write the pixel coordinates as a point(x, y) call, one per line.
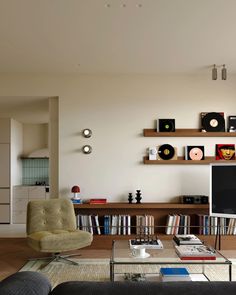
point(214, 73)
point(224, 73)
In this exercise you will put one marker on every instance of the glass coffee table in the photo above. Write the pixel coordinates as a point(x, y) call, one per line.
point(123, 263)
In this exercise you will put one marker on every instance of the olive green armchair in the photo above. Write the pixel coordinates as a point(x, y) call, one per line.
point(51, 228)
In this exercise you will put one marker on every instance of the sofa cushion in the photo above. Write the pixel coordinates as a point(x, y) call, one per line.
point(25, 283)
point(147, 288)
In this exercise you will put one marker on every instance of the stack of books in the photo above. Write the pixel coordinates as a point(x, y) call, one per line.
point(195, 252)
point(76, 201)
point(168, 274)
point(98, 201)
point(187, 240)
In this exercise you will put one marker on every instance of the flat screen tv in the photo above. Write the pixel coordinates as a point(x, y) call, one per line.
point(222, 197)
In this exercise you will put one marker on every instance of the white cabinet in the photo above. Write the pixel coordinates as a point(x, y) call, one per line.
point(4, 165)
point(21, 196)
point(4, 213)
point(11, 146)
point(4, 182)
point(4, 205)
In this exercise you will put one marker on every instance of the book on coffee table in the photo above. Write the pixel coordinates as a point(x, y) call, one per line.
point(187, 240)
point(168, 274)
point(195, 252)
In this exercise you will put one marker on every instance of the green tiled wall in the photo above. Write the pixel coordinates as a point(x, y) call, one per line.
point(35, 170)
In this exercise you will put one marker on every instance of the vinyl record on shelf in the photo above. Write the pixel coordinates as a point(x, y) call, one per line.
point(213, 122)
point(167, 125)
point(195, 153)
point(166, 151)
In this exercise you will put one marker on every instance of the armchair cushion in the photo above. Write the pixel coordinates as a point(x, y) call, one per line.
point(56, 241)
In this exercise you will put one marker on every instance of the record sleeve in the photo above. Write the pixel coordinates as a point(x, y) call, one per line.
point(225, 152)
point(166, 125)
point(194, 153)
point(213, 122)
point(232, 124)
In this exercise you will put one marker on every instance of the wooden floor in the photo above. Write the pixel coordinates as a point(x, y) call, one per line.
point(14, 253)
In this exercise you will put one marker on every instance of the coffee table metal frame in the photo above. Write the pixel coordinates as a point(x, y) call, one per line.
point(122, 255)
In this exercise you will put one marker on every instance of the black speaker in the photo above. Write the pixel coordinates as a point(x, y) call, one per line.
point(194, 199)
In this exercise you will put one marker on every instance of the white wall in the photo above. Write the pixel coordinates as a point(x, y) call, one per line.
point(35, 137)
point(117, 108)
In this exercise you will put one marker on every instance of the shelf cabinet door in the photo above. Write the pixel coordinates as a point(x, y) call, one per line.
point(4, 213)
point(5, 165)
point(4, 196)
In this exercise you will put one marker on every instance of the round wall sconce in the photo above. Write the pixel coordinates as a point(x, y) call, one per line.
point(87, 133)
point(87, 149)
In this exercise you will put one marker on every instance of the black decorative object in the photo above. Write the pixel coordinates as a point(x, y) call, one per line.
point(138, 196)
point(130, 198)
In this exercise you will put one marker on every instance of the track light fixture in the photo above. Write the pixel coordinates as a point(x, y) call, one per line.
point(223, 72)
point(214, 73)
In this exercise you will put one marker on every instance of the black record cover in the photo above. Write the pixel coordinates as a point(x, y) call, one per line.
point(232, 124)
point(195, 153)
point(167, 125)
point(213, 122)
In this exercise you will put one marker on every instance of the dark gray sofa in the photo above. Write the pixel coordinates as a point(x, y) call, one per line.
point(33, 283)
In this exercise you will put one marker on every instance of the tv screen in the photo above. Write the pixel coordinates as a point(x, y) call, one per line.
point(223, 190)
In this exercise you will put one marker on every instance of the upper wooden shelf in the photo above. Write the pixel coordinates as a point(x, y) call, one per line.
point(141, 206)
point(181, 160)
point(186, 133)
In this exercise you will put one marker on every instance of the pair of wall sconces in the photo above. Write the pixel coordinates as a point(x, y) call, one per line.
point(87, 133)
point(223, 72)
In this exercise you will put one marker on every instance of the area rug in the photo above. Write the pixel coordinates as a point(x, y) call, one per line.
point(99, 270)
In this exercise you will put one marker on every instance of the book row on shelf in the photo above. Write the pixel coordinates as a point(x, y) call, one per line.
point(208, 225)
point(115, 224)
point(176, 224)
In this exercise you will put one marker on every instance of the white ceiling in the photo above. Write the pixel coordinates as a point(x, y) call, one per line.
point(115, 36)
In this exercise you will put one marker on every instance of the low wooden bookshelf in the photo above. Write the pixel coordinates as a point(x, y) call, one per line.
point(160, 212)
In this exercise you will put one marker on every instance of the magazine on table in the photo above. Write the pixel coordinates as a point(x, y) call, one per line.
point(187, 240)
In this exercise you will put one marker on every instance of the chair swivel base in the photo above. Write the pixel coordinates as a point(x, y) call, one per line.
point(56, 257)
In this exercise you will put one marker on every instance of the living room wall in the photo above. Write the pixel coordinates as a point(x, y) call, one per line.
point(116, 109)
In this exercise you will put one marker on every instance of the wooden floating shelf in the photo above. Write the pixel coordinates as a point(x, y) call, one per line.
point(186, 133)
point(181, 161)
